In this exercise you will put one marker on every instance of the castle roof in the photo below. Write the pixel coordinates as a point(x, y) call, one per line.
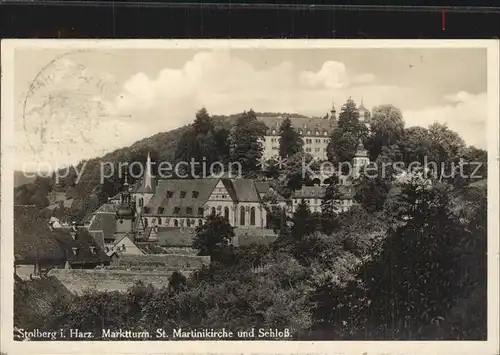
point(175, 236)
point(310, 126)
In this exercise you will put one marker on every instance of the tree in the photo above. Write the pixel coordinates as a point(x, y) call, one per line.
point(416, 266)
point(415, 145)
point(386, 128)
point(290, 141)
point(245, 142)
point(215, 232)
point(329, 208)
point(345, 138)
point(371, 192)
point(303, 222)
point(199, 143)
point(446, 149)
point(177, 282)
point(296, 175)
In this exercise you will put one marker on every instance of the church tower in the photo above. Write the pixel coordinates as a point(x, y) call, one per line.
point(146, 190)
point(125, 215)
point(360, 159)
point(333, 115)
point(364, 115)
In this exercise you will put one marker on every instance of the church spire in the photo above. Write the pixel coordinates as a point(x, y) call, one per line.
point(147, 184)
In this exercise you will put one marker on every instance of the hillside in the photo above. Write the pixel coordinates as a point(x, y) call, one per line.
point(89, 193)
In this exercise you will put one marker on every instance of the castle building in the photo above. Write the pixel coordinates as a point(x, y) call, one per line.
point(315, 132)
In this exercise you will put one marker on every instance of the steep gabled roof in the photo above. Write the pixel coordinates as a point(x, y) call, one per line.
point(165, 205)
point(105, 222)
point(175, 237)
point(33, 240)
point(81, 249)
point(245, 190)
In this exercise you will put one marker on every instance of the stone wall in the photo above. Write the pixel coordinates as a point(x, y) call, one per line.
point(78, 281)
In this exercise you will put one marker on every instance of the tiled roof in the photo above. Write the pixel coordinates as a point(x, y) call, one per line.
point(347, 192)
point(316, 126)
point(247, 236)
point(105, 222)
point(82, 249)
point(262, 186)
point(163, 205)
point(175, 237)
point(33, 240)
point(310, 192)
point(245, 190)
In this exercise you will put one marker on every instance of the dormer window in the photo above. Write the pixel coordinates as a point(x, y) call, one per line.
point(300, 131)
point(177, 209)
point(75, 251)
point(92, 249)
point(274, 131)
point(170, 194)
point(73, 235)
point(183, 194)
point(161, 210)
point(201, 211)
point(317, 133)
point(308, 132)
point(195, 194)
point(189, 210)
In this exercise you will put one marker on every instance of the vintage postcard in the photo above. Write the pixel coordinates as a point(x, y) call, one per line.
point(250, 196)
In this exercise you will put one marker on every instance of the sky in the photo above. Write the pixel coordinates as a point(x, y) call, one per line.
point(74, 105)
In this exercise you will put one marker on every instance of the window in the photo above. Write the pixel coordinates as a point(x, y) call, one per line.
point(324, 149)
point(213, 211)
point(273, 140)
point(141, 202)
point(188, 222)
point(325, 133)
point(200, 222)
point(200, 211)
point(161, 210)
point(317, 133)
point(75, 251)
point(242, 216)
point(189, 210)
point(308, 141)
point(316, 150)
point(92, 249)
point(308, 149)
point(159, 220)
point(176, 223)
point(326, 140)
point(195, 194)
point(170, 194)
point(145, 222)
point(226, 213)
point(308, 132)
point(124, 248)
point(252, 216)
point(183, 194)
point(177, 209)
point(274, 131)
point(300, 131)
point(318, 140)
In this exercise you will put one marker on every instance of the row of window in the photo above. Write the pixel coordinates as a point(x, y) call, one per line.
point(302, 132)
point(242, 215)
point(316, 150)
point(77, 250)
point(183, 194)
point(307, 141)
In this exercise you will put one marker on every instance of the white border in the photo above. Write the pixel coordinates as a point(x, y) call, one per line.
point(243, 347)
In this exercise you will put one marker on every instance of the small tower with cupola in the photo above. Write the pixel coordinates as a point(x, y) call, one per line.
point(360, 159)
point(125, 214)
point(364, 114)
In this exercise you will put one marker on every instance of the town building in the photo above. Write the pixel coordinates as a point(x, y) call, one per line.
point(313, 195)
